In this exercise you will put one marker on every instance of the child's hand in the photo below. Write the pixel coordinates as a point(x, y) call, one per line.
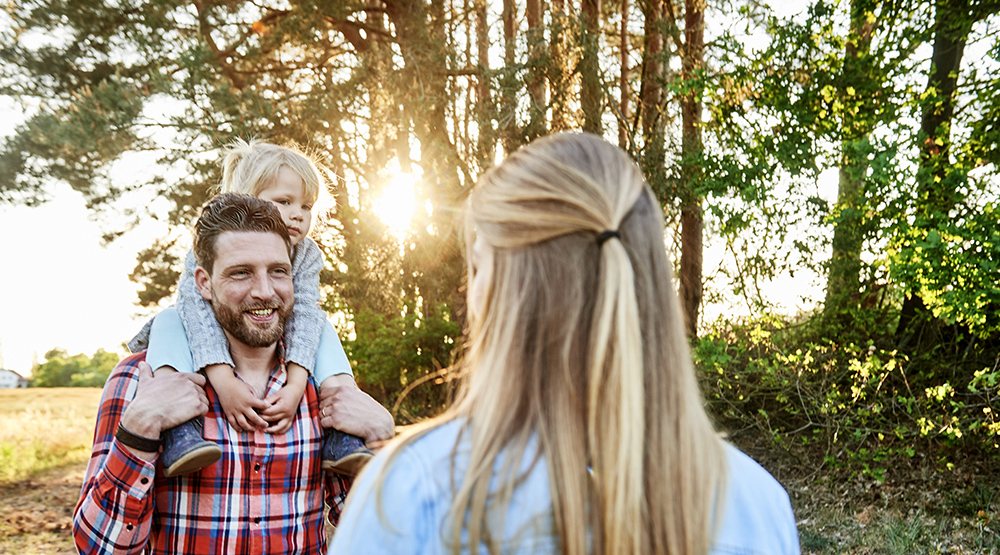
point(237, 398)
point(284, 406)
point(285, 401)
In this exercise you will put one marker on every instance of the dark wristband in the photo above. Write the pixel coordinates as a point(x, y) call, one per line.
point(128, 439)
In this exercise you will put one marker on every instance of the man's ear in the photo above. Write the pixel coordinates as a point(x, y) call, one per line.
point(203, 281)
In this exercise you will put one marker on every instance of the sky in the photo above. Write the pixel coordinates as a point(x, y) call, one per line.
point(59, 287)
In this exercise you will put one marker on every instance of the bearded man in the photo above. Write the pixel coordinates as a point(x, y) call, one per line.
point(268, 491)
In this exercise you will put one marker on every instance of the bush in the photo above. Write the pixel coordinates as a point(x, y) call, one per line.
point(863, 404)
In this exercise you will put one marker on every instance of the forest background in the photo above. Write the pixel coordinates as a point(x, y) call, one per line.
point(731, 111)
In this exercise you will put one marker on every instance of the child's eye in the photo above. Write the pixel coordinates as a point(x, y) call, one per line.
point(307, 207)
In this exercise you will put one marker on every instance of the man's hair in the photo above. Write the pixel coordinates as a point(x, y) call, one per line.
point(234, 212)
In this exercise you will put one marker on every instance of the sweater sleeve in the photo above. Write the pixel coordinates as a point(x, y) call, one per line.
point(303, 330)
point(208, 343)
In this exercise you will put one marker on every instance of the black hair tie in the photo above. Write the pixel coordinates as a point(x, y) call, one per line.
point(605, 235)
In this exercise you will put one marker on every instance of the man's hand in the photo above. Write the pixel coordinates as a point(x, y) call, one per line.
point(237, 398)
point(162, 402)
point(346, 408)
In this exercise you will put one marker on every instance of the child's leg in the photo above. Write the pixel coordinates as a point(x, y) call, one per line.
point(168, 344)
point(342, 453)
point(184, 449)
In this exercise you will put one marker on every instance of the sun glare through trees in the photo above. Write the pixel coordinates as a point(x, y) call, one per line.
point(396, 205)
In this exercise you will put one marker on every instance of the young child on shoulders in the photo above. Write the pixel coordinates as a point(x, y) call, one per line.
point(188, 338)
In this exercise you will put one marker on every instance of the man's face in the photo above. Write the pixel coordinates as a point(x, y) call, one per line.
point(250, 286)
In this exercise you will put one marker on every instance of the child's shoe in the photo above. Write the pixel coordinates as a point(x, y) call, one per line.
point(186, 451)
point(344, 453)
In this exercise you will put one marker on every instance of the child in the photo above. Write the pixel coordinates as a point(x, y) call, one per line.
point(189, 338)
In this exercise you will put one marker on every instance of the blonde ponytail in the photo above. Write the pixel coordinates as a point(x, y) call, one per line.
point(580, 342)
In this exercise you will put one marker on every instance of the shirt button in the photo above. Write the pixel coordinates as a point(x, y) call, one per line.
point(256, 520)
point(256, 466)
point(144, 480)
point(129, 527)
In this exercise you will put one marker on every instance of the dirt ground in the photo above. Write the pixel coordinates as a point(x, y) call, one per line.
point(36, 514)
point(920, 507)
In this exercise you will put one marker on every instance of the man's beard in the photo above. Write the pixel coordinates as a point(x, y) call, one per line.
point(235, 322)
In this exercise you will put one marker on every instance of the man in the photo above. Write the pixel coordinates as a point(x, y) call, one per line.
point(267, 493)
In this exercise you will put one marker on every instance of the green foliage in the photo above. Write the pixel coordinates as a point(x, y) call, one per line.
point(861, 404)
point(402, 360)
point(953, 262)
point(62, 370)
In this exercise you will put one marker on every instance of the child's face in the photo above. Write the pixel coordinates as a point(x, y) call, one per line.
point(288, 194)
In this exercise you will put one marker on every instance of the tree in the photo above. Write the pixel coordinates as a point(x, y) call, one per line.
point(62, 370)
point(692, 215)
point(941, 219)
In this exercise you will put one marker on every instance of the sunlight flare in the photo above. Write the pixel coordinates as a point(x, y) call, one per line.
point(398, 202)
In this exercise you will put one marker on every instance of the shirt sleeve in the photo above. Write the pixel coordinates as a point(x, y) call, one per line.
point(208, 343)
point(337, 488)
point(115, 509)
point(306, 324)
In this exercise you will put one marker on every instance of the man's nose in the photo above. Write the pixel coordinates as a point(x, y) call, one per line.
point(262, 287)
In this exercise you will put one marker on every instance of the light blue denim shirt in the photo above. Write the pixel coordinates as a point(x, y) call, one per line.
point(758, 517)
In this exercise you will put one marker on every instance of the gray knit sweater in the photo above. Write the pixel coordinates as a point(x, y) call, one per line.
point(208, 342)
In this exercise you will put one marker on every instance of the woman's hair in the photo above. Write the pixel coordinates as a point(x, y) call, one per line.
point(580, 341)
point(251, 167)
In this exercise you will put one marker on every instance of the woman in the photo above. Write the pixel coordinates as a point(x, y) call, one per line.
point(579, 427)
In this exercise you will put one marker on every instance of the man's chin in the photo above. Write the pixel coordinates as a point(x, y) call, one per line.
point(257, 336)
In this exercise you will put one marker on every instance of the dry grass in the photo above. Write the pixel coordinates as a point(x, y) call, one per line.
point(45, 439)
point(44, 429)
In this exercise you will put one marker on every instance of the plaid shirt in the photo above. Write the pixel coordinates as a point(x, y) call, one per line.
point(266, 494)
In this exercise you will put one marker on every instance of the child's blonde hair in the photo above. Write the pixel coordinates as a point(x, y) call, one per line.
point(251, 167)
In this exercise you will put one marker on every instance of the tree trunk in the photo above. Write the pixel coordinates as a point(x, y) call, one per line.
point(653, 157)
point(692, 216)
point(844, 277)
point(486, 142)
point(509, 86)
point(537, 105)
point(560, 79)
point(935, 196)
point(420, 29)
point(590, 79)
point(623, 109)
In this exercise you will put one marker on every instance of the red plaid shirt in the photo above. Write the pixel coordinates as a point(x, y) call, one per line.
point(266, 494)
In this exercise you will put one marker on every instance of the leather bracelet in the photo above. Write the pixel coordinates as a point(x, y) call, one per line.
point(140, 443)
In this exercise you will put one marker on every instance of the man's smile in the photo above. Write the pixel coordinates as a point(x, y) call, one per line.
point(261, 314)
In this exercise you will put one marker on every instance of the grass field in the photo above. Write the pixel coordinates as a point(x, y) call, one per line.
point(45, 438)
point(44, 429)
